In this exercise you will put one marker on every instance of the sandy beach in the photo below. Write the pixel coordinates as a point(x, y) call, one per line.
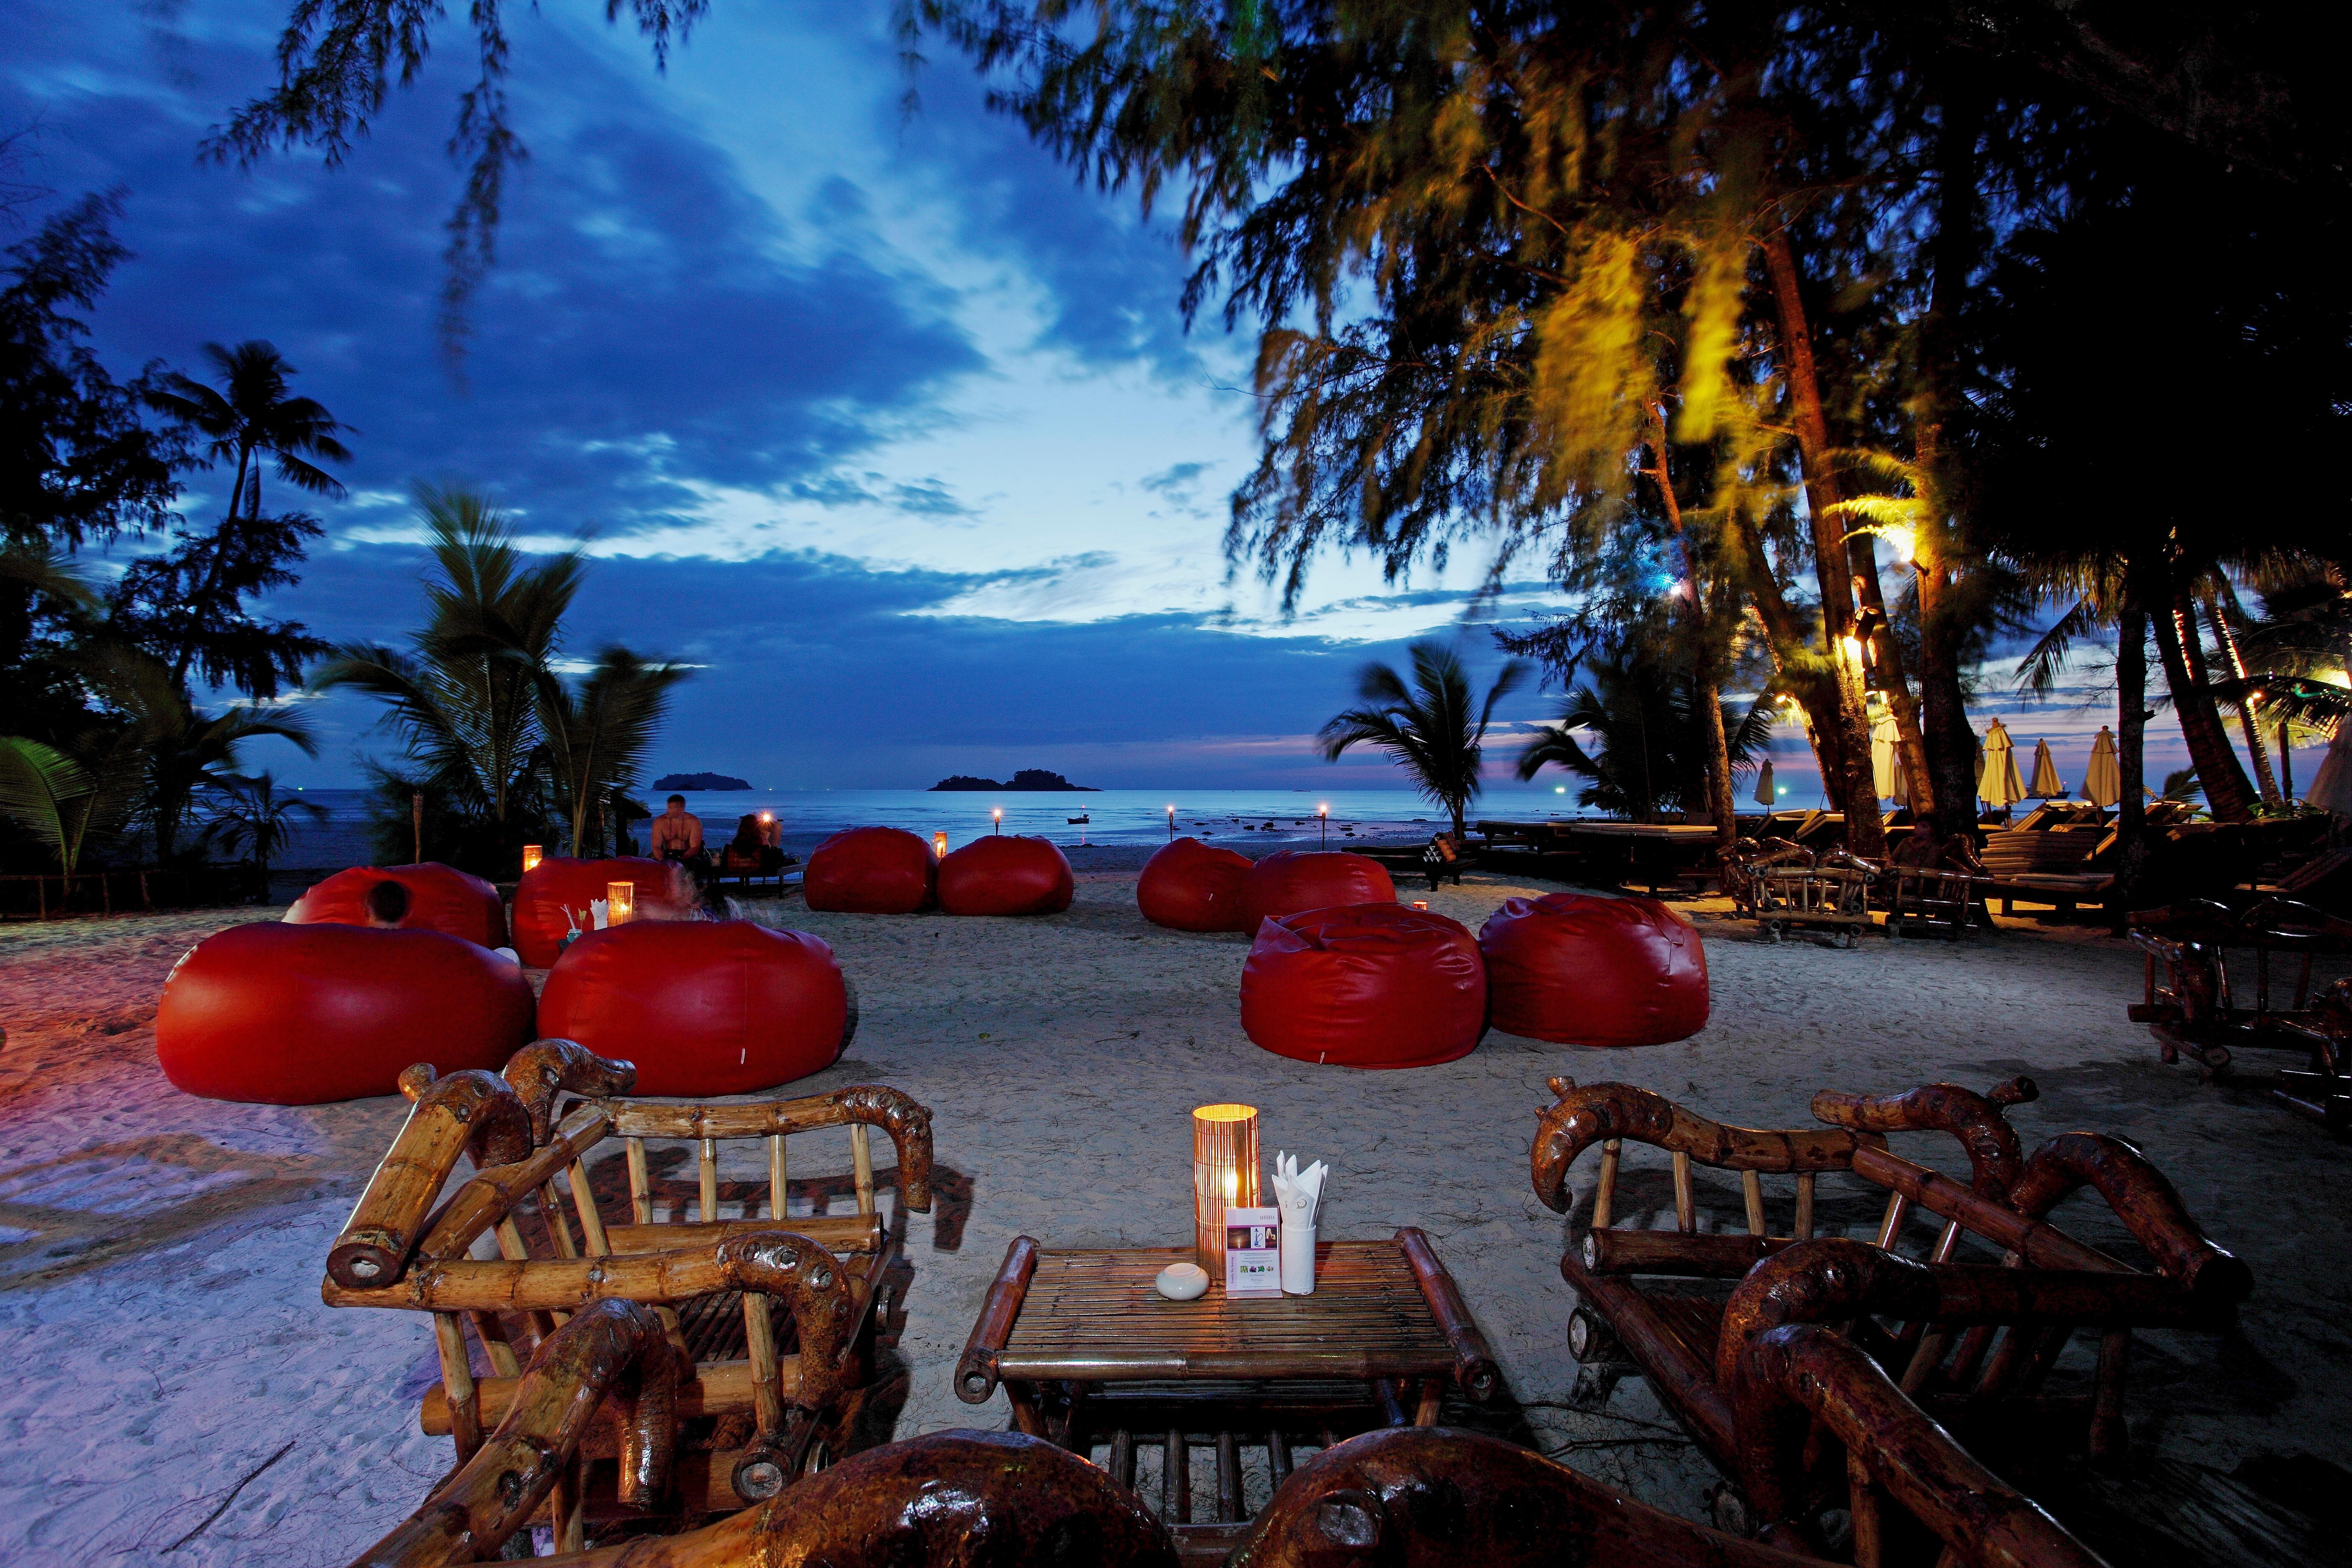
point(181, 1394)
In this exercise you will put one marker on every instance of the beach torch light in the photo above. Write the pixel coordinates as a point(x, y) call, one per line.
point(531, 859)
point(1171, 821)
point(1225, 1175)
point(620, 902)
point(996, 814)
point(940, 844)
point(1323, 817)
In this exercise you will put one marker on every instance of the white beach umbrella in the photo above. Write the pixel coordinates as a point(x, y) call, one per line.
point(1997, 784)
point(2331, 786)
point(2045, 774)
point(2103, 781)
point(1764, 795)
point(1886, 758)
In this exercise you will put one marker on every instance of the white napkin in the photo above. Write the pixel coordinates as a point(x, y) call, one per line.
point(596, 911)
point(1300, 1195)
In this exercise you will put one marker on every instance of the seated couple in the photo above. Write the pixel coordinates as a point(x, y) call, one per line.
point(759, 839)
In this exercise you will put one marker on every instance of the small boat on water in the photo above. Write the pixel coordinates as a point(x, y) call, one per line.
point(1076, 820)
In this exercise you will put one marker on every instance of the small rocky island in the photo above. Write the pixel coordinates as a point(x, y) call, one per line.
point(1027, 779)
point(699, 780)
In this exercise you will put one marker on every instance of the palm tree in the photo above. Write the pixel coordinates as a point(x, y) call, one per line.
point(598, 732)
point(1430, 729)
point(65, 800)
point(1651, 741)
point(251, 416)
point(467, 700)
point(251, 818)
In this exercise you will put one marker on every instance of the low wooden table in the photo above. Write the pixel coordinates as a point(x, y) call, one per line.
point(1092, 1356)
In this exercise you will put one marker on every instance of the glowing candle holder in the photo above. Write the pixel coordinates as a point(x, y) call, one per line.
point(1225, 1175)
point(940, 844)
point(1421, 904)
point(531, 859)
point(620, 902)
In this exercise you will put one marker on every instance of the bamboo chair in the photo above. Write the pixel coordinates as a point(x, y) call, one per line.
point(771, 1317)
point(1944, 894)
point(1973, 1345)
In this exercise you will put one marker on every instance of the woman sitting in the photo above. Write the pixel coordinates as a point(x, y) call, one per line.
point(753, 847)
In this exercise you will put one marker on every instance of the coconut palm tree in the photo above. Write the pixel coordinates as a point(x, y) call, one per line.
point(598, 730)
point(1432, 729)
point(65, 800)
point(252, 414)
point(465, 699)
point(1649, 744)
point(249, 818)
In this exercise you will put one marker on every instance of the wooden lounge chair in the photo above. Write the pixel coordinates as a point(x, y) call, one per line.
point(1939, 892)
point(1973, 1345)
point(1784, 886)
point(770, 1316)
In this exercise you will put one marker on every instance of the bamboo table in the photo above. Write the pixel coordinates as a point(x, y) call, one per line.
point(1091, 1355)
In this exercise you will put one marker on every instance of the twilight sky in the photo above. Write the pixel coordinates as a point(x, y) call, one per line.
point(882, 420)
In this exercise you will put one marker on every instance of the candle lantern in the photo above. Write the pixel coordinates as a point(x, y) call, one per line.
point(620, 902)
point(1422, 904)
point(530, 857)
point(1225, 1175)
point(940, 844)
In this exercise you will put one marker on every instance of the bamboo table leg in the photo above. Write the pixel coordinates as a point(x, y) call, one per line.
point(1026, 1415)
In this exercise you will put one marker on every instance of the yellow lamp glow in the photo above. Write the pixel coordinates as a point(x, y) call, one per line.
point(620, 902)
point(530, 857)
point(1853, 645)
point(1902, 540)
point(1225, 1175)
point(996, 814)
point(940, 844)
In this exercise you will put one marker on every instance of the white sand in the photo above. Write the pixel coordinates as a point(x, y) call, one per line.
point(160, 1258)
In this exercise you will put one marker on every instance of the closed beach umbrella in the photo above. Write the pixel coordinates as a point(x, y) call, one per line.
point(1764, 795)
point(2045, 774)
point(1998, 784)
point(1885, 759)
point(2331, 786)
point(1902, 780)
point(2103, 782)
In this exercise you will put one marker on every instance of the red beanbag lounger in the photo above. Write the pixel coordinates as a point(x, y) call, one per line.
point(870, 871)
point(296, 1014)
point(1585, 971)
point(1290, 880)
point(440, 898)
point(1188, 886)
point(1369, 985)
point(1005, 875)
point(701, 1006)
point(557, 887)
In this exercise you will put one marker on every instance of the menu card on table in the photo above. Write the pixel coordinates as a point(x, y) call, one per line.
point(1252, 1252)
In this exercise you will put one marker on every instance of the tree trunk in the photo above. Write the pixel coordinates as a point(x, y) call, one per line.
point(1707, 692)
point(1951, 743)
point(2131, 752)
point(2255, 750)
point(1894, 678)
point(1846, 717)
point(2228, 794)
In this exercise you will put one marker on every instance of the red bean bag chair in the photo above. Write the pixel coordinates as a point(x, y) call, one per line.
point(1005, 874)
point(296, 1014)
point(1188, 886)
point(1585, 971)
point(870, 871)
point(556, 889)
point(1290, 880)
point(440, 898)
point(1365, 985)
point(701, 1006)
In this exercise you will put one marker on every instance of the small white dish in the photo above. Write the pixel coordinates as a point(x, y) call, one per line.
point(1184, 1281)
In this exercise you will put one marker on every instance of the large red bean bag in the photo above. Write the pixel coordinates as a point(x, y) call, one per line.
point(556, 889)
point(440, 898)
point(1190, 886)
point(1366, 986)
point(870, 871)
point(1586, 971)
point(295, 1014)
point(1005, 874)
point(1290, 880)
point(701, 1006)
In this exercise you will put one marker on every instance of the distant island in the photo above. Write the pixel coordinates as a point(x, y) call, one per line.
point(1027, 779)
point(699, 780)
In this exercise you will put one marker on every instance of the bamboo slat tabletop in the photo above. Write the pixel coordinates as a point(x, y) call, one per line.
point(1097, 1314)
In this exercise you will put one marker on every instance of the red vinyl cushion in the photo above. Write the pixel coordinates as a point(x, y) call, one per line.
point(870, 871)
point(1290, 880)
point(440, 898)
point(1188, 886)
point(1581, 970)
point(1005, 874)
point(1366, 986)
point(701, 1006)
point(553, 887)
point(297, 1015)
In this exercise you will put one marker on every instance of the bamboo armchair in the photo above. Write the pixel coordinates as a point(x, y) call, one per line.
point(770, 1317)
point(1971, 1348)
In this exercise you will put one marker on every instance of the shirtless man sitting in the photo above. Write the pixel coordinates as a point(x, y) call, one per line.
point(677, 833)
